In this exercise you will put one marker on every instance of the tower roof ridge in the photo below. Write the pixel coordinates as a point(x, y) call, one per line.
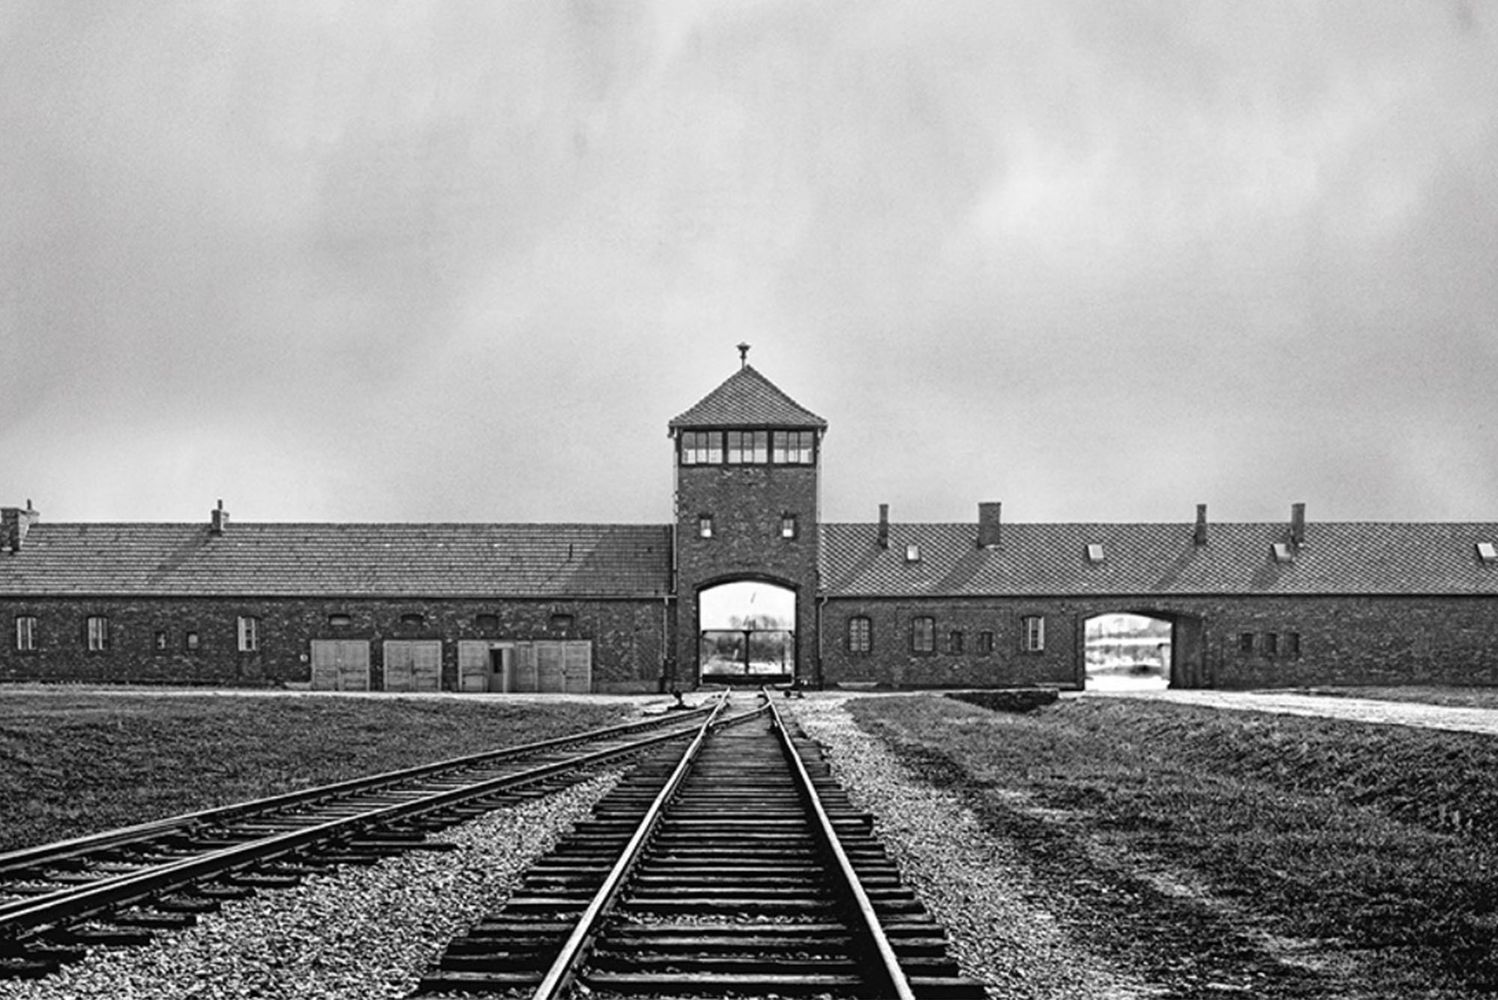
point(747, 398)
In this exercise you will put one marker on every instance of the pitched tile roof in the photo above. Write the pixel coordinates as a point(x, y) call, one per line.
point(438, 560)
point(747, 399)
point(1051, 559)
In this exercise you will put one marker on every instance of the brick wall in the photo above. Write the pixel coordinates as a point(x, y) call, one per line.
point(628, 637)
point(1342, 640)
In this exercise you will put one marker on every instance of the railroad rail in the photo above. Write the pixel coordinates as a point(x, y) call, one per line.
point(734, 868)
point(118, 886)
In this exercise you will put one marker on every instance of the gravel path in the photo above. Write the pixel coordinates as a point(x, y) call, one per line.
point(1394, 713)
point(355, 932)
point(980, 889)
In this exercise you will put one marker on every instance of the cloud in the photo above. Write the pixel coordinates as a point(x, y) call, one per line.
point(465, 260)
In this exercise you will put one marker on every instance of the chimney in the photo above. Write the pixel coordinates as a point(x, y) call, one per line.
point(1200, 535)
point(884, 526)
point(219, 519)
point(988, 524)
point(1298, 523)
point(14, 523)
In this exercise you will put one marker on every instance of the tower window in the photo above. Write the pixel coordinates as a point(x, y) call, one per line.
point(860, 635)
point(705, 526)
point(985, 642)
point(954, 642)
point(748, 447)
point(923, 634)
point(1271, 644)
point(162, 640)
point(191, 642)
point(1245, 642)
point(794, 448)
point(701, 448)
point(787, 525)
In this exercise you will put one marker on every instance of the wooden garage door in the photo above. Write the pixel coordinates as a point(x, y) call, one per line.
point(413, 664)
point(579, 666)
point(551, 667)
point(474, 665)
point(340, 665)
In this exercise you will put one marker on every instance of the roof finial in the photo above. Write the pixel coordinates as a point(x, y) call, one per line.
point(743, 355)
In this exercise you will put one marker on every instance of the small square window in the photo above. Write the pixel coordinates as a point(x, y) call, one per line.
point(1032, 631)
point(25, 633)
point(486, 623)
point(923, 635)
point(1292, 643)
point(162, 640)
point(98, 633)
point(412, 619)
point(191, 642)
point(860, 635)
point(1245, 642)
point(954, 642)
point(561, 621)
point(249, 634)
point(705, 526)
point(788, 526)
point(340, 620)
point(1271, 644)
point(985, 642)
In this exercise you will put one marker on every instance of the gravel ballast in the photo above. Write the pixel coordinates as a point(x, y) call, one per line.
point(354, 932)
point(978, 888)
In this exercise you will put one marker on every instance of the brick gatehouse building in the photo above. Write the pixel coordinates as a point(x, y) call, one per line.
point(622, 607)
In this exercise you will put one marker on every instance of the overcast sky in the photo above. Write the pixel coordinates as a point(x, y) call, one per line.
point(1101, 261)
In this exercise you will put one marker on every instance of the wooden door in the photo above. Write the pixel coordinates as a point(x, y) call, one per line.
point(340, 665)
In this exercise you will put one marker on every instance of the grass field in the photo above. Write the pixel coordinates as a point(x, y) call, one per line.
point(77, 762)
point(1182, 838)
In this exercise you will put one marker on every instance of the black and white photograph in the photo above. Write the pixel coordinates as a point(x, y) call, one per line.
point(588, 499)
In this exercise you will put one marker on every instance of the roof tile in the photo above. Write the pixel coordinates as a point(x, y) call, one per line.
point(747, 399)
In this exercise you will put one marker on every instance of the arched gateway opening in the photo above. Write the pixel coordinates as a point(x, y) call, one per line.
point(746, 633)
point(1142, 650)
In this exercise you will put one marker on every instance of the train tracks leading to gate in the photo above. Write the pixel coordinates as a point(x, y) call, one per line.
point(119, 886)
point(736, 868)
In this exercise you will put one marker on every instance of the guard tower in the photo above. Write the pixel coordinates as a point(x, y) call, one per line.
point(746, 513)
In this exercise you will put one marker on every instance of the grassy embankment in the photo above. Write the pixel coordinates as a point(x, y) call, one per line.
point(74, 763)
point(1372, 846)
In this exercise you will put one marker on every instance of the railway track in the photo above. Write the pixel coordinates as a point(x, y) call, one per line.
point(119, 887)
point(735, 868)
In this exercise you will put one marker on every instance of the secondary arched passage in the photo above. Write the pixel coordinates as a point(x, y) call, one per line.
point(1142, 649)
